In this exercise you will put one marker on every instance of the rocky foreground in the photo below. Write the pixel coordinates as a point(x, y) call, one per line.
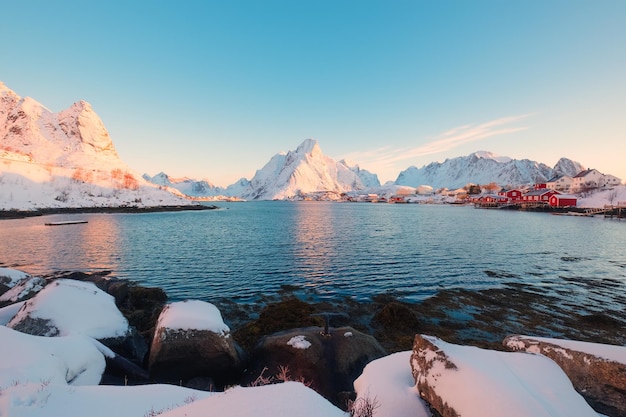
point(329, 347)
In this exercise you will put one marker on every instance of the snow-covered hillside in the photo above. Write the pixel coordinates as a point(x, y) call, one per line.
point(65, 159)
point(484, 168)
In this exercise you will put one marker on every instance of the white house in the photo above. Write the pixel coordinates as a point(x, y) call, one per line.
point(560, 183)
point(592, 178)
point(611, 180)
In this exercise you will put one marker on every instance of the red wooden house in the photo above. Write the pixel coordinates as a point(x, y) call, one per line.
point(492, 198)
point(513, 195)
point(562, 200)
point(541, 195)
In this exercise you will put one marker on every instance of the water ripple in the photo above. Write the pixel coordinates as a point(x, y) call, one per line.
point(331, 250)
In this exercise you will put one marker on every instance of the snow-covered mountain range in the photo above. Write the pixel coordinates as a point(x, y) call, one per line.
point(287, 174)
point(187, 186)
point(68, 159)
point(65, 159)
point(484, 168)
point(307, 170)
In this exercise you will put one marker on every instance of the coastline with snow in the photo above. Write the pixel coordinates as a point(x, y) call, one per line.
point(17, 214)
point(393, 323)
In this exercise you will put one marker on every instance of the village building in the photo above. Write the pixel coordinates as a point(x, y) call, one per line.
point(592, 178)
point(491, 200)
point(513, 195)
point(561, 183)
point(611, 181)
point(562, 200)
point(541, 195)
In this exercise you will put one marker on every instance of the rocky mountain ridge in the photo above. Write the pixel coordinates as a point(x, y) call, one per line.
point(483, 168)
point(65, 159)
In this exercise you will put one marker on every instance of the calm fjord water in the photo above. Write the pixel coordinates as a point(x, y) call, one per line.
point(331, 250)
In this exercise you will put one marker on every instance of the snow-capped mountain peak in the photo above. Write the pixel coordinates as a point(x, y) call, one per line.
point(490, 155)
point(305, 170)
point(67, 158)
point(309, 147)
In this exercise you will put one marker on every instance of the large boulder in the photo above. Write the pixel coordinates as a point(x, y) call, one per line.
point(327, 362)
point(192, 342)
point(472, 382)
point(67, 308)
point(597, 371)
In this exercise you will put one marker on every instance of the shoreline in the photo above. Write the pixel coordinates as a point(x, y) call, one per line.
point(22, 214)
point(464, 317)
point(478, 317)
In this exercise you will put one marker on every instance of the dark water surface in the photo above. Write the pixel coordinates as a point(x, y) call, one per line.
point(332, 250)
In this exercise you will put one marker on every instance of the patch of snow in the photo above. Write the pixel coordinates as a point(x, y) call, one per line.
point(347, 334)
point(609, 352)
point(8, 312)
point(192, 314)
point(287, 399)
point(299, 342)
point(388, 383)
point(611, 196)
point(72, 359)
point(37, 400)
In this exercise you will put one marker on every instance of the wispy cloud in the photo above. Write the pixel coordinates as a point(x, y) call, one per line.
point(383, 159)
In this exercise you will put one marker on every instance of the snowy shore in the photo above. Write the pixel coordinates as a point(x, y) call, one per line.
point(16, 214)
point(43, 376)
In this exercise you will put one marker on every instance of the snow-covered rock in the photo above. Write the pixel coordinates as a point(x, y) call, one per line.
point(17, 285)
point(68, 307)
point(328, 362)
point(24, 359)
point(597, 371)
point(65, 159)
point(468, 381)
point(484, 168)
point(10, 277)
point(192, 341)
point(24, 289)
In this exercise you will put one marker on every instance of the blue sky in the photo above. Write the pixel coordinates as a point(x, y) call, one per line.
point(213, 89)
